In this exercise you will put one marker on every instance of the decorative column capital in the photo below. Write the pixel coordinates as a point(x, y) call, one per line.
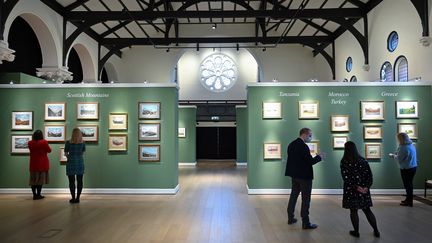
point(6, 54)
point(366, 67)
point(56, 74)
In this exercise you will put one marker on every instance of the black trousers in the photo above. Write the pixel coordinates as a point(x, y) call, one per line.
point(407, 179)
point(305, 187)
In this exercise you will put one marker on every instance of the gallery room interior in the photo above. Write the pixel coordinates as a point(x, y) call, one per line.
point(186, 109)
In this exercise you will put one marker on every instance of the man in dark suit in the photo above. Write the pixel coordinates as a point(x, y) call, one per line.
point(299, 168)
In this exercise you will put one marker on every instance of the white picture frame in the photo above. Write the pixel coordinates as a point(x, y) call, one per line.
point(22, 120)
point(87, 110)
point(55, 111)
point(181, 132)
point(272, 151)
point(90, 133)
point(339, 123)
point(409, 128)
point(272, 110)
point(339, 142)
point(55, 133)
point(309, 109)
point(372, 110)
point(118, 121)
point(19, 144)
point(407, 109)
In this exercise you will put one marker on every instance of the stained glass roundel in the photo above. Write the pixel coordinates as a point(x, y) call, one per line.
point(218, 72)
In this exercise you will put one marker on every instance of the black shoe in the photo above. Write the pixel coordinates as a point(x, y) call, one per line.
point(37, 197)
point(377, 234)
point(407, 204)
point(72, 200)
point(354, 233)
point(76, 200)
point(310, 226)
point(292, 221)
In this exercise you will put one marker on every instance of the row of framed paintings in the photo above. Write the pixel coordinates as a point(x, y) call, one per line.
point(23, 120)
point(369, 110)
point(372, 150)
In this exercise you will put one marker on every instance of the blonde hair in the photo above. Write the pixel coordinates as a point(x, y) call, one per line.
point(403, 138)
point(76, 136)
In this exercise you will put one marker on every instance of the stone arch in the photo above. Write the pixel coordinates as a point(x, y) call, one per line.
point(111, 71)
point(50, 47)
point(87, 63)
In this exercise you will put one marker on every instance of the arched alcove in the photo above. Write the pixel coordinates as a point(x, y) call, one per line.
point(111, 72)
point(87, 63)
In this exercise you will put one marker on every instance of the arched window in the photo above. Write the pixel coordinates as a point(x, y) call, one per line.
point(386, 73)
point(348, 64)
point(353, 79)
point(401, 69)
point(345, 80)
point(392, 41)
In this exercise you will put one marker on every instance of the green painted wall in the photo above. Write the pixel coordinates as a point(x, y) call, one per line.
point(20, 78)
point(187, 145)
point(242, 138)
point(103, 169)
point(269, 174)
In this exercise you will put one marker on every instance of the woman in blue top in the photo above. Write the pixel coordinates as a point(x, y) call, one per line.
point(407, 158)
point(74, 150)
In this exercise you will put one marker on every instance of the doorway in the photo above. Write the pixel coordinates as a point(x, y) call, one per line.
point(216, 143)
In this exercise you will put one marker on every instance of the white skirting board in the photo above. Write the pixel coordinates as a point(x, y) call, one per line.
point(328, 191)
point(186, 164)
point(97, 190)
point(241, 164)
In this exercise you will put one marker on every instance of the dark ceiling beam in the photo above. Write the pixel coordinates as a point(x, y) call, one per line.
point(423, 11)
point(123, 42)
point(115, 28)
point(75, 5)
point(330, 59)
point(358, 3)
point(101, 16)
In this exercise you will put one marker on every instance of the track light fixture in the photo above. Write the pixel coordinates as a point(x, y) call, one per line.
point(214, 26)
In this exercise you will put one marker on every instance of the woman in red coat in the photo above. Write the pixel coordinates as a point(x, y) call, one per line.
point(39, 163)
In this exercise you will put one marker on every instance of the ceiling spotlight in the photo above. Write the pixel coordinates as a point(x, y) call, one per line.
point(214, 26)
point(264, 49)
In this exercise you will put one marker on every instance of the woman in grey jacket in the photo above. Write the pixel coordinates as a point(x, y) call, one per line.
point(407, 158)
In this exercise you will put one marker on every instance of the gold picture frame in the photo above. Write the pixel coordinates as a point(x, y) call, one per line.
point(308, 109)
point(149, 110)
point(149, 152)
point(87, 111)
point(339, 123)
point(55, 111)
point(90, 133)
point(118, 121)
point(272, 151)
point(339, 142)
point(117, 142)
point(372, 132)
point(272, 110)
point(55, 133)
point(372, 110)
point(373, 151)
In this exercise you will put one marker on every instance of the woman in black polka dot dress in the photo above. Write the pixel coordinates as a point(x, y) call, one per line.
point(357, 177)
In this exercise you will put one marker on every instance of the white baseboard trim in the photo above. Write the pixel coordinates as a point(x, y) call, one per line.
point(185, 164)
point(241, 164)
point(96, 190)
point(328, 191)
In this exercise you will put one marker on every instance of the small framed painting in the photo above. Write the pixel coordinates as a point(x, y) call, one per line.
point(90, 133)
point(55, 111)
point(406, 109)
point(118, 121)
point(339, 142)
point(88, 110)
point(63, 158)
point(409, 128)
point(22, 120)
point(55, 133)
point(372, 132)
point(149, 153)
point(340, 123)
point(19, 144)
point(372, 110)
point(117, 142)
point(313, 147)
point(149, 131)
point(149, 110)
point(272, 151)
point(272, 110)
point(181, 132)
point(308, 109)
point(373, 151)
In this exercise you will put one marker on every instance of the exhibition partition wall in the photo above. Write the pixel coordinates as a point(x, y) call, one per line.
point(187, 135)
point(242, 137)
point(130, 132)
point(370, 114)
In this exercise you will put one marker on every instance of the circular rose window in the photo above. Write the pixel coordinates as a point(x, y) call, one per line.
point(218, 73)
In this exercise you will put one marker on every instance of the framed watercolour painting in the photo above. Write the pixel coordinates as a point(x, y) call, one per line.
point(313, 147)
point(149, 110)
point(406, 109)
point(55, 133)
point(372, 132)
point(308, 109)
point(340, 123)
point(87, 110)
point(89, 132)
point(409, 128)
point(63, 158)
point(272, 110)
point(149, 131)
point(373, 151)
point(117, 142)
point(181, 132)
point(149, 153)
point(118, 121)
point(22, 120)
point(272, 151)
point(19, 144)
point(55, 111)
point(372, 110)
point(339, 142)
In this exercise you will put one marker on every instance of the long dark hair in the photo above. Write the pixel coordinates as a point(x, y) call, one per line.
point(37, 135)
point(351, 153)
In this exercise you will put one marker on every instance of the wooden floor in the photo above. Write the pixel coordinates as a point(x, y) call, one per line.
point(211, 206)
